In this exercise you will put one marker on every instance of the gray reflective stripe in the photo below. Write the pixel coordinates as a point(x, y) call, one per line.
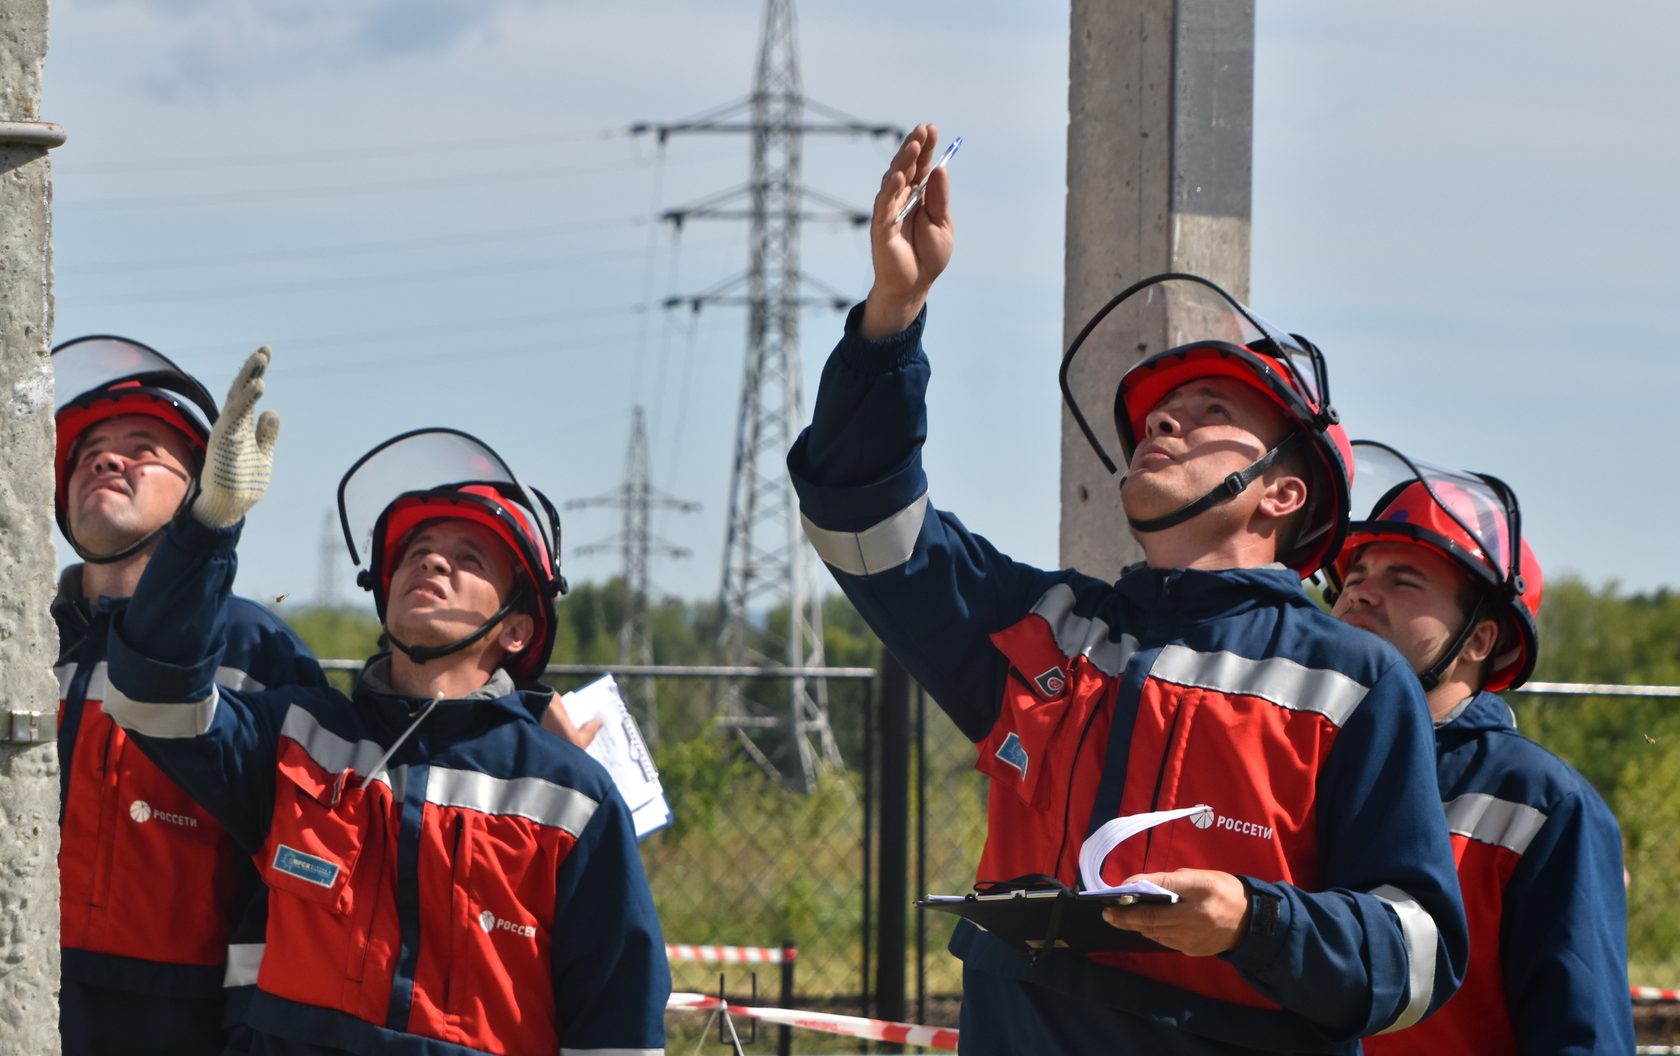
point(178, 720)
point(1277, 679)
point(1499, 822)
point(335, 754)
point(67, 673)
point(233, 678)
point(1418, 932)
point(1078, 635)
point(243, 963)
point(612, 1052)
point(542, 801)
point(98, 685)
point(875, 549)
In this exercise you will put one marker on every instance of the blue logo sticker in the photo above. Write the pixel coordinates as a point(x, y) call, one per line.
point(294, 862)
point(1014, 754)
point(1052, 682)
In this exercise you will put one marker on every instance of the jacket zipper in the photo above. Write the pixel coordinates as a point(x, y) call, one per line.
point(109, 810)
point(459, 914)
point(1073, 769)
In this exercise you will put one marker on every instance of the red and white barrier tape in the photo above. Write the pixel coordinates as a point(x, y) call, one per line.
point(683, 953)
point(942, 1038)
point(1655, 993)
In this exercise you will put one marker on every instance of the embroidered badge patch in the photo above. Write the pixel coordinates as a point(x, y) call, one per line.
point(294, 862)
point(1012, 752)
point(1052, 682)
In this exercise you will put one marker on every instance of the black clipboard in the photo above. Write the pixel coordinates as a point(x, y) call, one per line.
point(1037, 919)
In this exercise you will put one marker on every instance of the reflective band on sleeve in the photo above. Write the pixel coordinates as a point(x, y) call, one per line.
point(1277, 679)
point(542, 801)
point(880, 547)
point(243, 963)
point(233, 678)
point(1418, 931)
point(186, 719)
point(1498, 822)
point(1078, 635)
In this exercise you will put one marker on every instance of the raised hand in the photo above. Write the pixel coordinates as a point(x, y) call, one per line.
point(910, 254)
point(240, 455)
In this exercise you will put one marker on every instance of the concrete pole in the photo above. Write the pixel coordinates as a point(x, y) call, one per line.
point(1160, 132)
point(28, 640)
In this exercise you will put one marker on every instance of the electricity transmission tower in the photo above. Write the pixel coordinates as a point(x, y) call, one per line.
point(327, 559)
point(638, 498)
point(766, 561)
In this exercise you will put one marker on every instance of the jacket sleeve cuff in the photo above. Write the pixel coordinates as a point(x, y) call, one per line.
point(856, 509)
point(164, 682)
point(1270, 915)
point(883, 355)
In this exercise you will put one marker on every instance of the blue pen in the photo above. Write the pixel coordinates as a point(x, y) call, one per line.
point(921, 188)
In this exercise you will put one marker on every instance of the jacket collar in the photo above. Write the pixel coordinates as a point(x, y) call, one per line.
point(1198, 590)
point(1482, 711)
point(495, 701)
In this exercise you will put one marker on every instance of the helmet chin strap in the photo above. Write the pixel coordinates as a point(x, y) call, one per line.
point(139, 544)
point(1225, 491)
point(1431, 675)
point(421, 654)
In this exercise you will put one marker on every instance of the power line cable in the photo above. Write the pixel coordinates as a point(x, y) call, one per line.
point(353, 248)
point(69, 203)
point(315, 157)
point(361, 281)
point(405, 333)
point(648, 266)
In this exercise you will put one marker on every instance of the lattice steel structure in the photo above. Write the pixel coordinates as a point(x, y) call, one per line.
point(635, 542)
point(766, 561)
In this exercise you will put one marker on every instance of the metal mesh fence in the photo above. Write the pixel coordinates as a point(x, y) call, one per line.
point(1626, 741)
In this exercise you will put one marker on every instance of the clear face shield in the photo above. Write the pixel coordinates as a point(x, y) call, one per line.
point(1475, 517)
point(94, 363)
point(426, 460)
point(1177, 313)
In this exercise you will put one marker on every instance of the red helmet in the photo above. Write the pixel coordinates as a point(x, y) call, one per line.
point(100, 377)
point(1471, 520)
point(1205, 332)
point(442, 474)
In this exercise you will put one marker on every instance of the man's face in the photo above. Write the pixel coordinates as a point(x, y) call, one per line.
point(453, 576)
point(1407, 594)
point(1200, 433)
point(128, 476)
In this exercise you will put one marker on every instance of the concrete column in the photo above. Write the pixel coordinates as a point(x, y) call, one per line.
point(28, 640)
point(1160, 122)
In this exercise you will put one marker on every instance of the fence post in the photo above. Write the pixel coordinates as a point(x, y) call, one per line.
point(895, 838)
point(784, 1037)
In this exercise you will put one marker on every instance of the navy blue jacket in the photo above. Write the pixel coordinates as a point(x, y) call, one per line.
point(1540, 864)
point(445, 876)
point(1089, 700)
point(156, 900)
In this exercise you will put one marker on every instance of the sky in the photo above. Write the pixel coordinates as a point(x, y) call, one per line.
point(434, 213)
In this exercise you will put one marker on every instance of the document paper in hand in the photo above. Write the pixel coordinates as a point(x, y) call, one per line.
point(619, 747)
point(1096, 849)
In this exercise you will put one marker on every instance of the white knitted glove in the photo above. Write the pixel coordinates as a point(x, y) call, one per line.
point(239, 457)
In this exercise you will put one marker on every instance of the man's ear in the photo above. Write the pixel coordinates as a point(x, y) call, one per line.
point(1285, 493)
point(1480, 645)
point(515, 633)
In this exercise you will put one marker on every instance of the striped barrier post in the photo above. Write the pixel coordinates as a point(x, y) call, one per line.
point(786, 957)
